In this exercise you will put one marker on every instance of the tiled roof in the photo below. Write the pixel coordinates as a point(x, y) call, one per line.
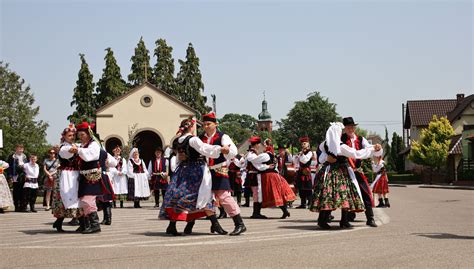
point(454, 114)
point(420, 112)
point(456, 146)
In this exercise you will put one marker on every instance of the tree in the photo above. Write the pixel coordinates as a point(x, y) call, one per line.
point(163, 73)
point(83, 97)
point(387, 150)
point(238, 126)
point(310, 117)
point(395, 159)
point(18, 115)
point(432, 148)
point(189, 82)
point(140, 65)
point(111, 85)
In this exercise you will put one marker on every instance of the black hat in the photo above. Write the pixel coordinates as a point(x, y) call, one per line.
point(348, 121)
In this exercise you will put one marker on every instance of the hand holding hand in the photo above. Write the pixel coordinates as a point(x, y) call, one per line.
point(225, 150)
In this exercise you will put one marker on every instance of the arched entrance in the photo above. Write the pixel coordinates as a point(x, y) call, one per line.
point(146, 142)
point(111, 143)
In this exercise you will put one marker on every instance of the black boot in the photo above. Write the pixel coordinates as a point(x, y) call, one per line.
point(216, 227)
point(323, 217)
point(58, 224)
point(239, 197)
point(351, 216)
point(369, 213)
point(381, 204)
point(247, 200)
point(344, 223)
point(239, 225)
point(189, 227)
point(115, 205)
point(257, 207)
point(172, 229)
point(94, 226)
point(222, 213)
point(157, 199)
point(285, 212)
point(32, 207)
point(303, 200)
point(108, 218)
point(138, 204)
point(104, 210)
point(83, 224)
point(74, 222)
point(121, 204)
point(387, 203)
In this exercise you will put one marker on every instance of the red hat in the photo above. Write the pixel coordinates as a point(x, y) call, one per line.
point(255, 140)
point(210, 117)
point(304, 139)
point(84, 126)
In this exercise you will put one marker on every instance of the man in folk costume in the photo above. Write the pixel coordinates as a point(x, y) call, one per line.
point(157, 171)
point(16, 175)
point(92, 176)
point(303, 179)
point(221, 186)
point(357, 142)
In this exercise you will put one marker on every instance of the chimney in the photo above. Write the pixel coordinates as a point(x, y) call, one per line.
point(459, 97)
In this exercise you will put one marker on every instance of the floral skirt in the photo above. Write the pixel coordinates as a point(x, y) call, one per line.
point(58, 209)
point(6, 200)
point(381, 186)
point(182, 194)
point(335, 190)
point(275, 190)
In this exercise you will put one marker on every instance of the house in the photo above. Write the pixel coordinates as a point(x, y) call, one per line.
point(155, 115)
point(460, 113)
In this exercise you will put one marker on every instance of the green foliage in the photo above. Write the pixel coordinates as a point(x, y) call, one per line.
point(310, 117)
point(396, 160)
point(111, 85)
point(83, 97)
point(362, 132)
point(18, 113)
point(189, 82)
point(238, 126)
point(432, 148)
point(140, 65)
point(163, 73)
point(387, 150)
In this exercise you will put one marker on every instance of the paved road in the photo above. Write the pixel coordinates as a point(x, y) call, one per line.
point(424, 228)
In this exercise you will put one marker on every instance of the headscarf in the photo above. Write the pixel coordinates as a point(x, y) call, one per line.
point(333, 137)
point(131, 152)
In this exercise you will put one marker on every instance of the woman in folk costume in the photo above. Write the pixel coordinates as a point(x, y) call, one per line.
point(271, 190)
point(105, 200)
point(380, 184)
point(65, 192)
point(6, 200)
point(189, 195)
point(304, 182)
point(336, 185)
point(138, 187)
point(119, 176)
point(235, 176)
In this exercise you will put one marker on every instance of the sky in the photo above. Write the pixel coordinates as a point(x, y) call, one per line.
point(368, 57)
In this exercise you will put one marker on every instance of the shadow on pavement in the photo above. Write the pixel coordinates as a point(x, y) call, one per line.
point(35, 232)
point(163, 234)
point(444, 236)
point(301, 227)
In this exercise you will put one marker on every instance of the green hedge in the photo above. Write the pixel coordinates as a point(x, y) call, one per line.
point(394, 177)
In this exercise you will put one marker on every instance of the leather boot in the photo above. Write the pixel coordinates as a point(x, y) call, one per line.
point(104, 210)
point(157, 199)
point(138, 204)
point(239, 225)
point(121, 204)
point(222, 213)
point(115, 205)
point(323, 219)
point(381, 204)
point(344, 223)
point(216, 227)
point(387, 203)
point(58, 224)
point(108, 220)
point(172, 229)
point(247, 201)
point(189, 227)
point(135, 204)
point(257, 207)
point(239, 198)
point(74, 222)
point(369, 213)
point(285, 212)
point(94, 226)
point(351, 216)
point(83, 224)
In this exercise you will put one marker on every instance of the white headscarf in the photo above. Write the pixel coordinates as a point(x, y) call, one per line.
point(131, 153)
point(333, 137)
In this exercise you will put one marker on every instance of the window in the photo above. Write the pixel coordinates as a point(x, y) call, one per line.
point(146, 100)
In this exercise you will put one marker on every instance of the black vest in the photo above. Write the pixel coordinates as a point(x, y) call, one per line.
point(184, 148)
point(344, 138)
point(217, 142)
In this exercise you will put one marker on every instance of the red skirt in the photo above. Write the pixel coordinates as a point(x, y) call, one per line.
point(275, 190)
point(381, 187)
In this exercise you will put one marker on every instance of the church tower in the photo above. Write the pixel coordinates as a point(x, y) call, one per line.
point(264, 122)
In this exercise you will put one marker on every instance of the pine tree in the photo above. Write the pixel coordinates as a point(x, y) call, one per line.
point(18, 115)
point(395, 159)
point(83, 97)
point(163, 73)
point(387, 151)
point(189, 82)
point(111, 85)
point(140, 65)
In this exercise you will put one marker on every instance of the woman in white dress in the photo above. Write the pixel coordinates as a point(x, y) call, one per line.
point(138, 187)
point(6, 199)
point(119, 176)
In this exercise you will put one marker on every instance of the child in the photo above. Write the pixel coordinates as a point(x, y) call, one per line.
point(31, 181)
point(380, 184)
